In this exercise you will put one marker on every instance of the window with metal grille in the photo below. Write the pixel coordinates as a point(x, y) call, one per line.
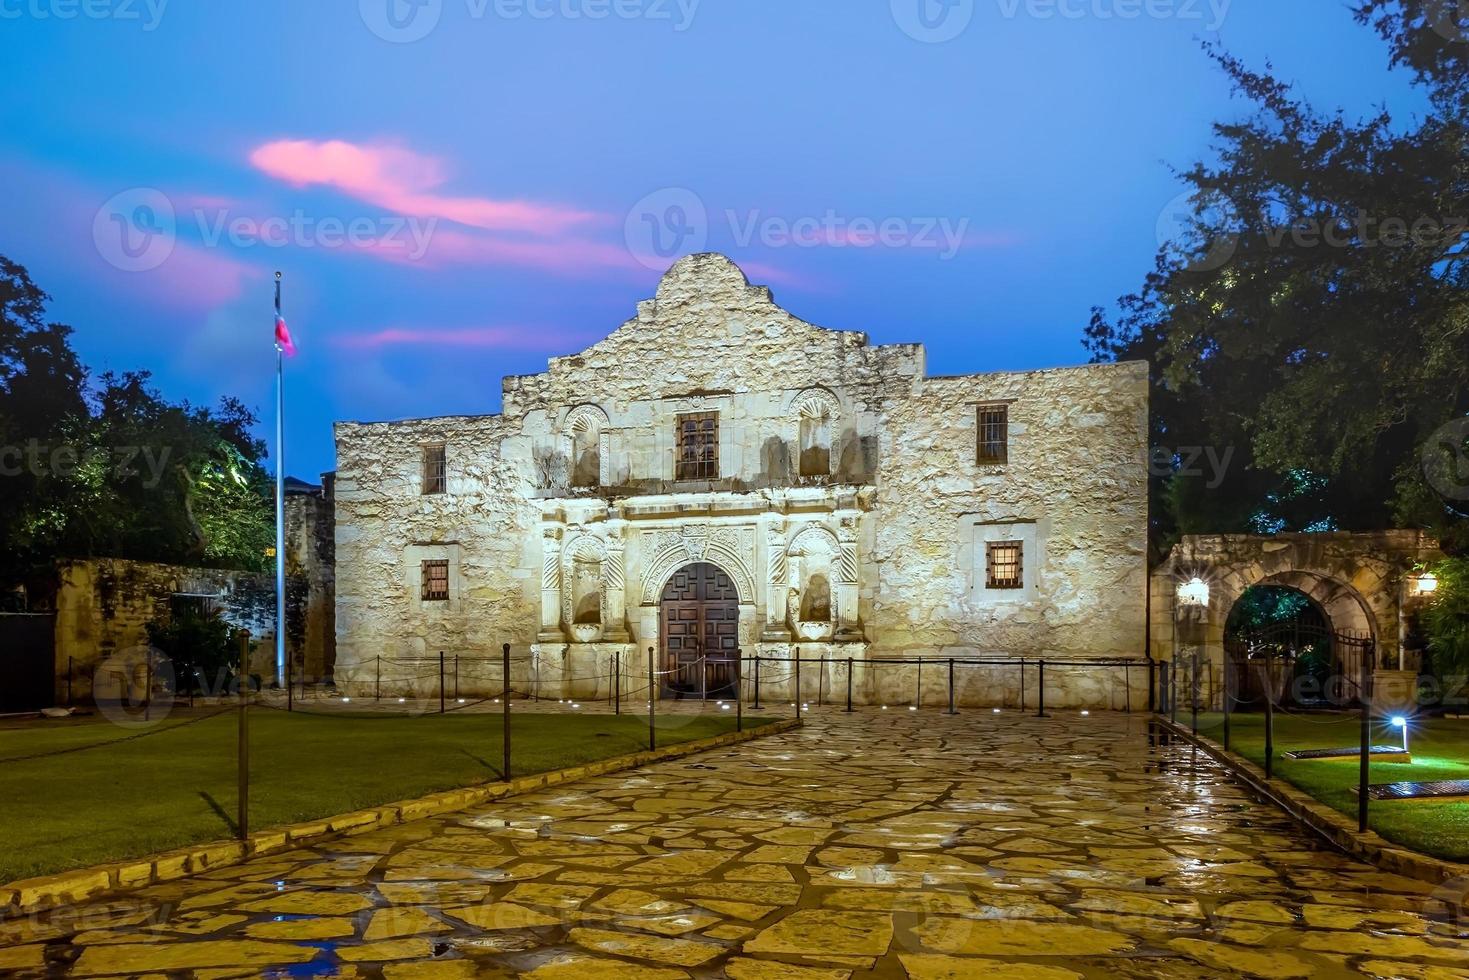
point(994, 433)
point(1003, 569)
point(698, 447)
point(436, 580)
point(435, 470)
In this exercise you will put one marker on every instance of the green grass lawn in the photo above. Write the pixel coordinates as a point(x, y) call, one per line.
point(1440, 749)
point(128, 797)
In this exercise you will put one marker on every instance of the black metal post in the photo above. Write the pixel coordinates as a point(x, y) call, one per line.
point(1194, 684)
point(1365, 770)
point(1022, 683)
point(1269, 725)
point(1127, 687)
point(652, 701)
point(441, 682)
point(951, 686)
point(290, 687)
point(703, 672)
point(456, 677)
point(849, 684)
point(1227, 705)
point(739, 690)
point(1173, 690)
point(148, 688)
point(242, 751)
point(756, 705)
point(918, 694)
point(1040, 711)
point(821, 682)
point(798, 682)
point(1152, 685)
point(617, 681)
point(377, 684)
point(505, 712)
point(69, 701)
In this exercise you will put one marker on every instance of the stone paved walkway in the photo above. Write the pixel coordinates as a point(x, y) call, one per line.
point(880, 844)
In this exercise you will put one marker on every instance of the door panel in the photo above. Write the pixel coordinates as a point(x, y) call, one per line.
point(700, 620)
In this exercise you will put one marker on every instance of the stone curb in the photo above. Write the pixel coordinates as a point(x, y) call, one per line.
point(47, 891)
point(1334, 827)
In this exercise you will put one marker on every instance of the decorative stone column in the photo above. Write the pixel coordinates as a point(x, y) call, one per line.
point(551, 627)
point(614, 587)
point(778, 582)
point(848, 626)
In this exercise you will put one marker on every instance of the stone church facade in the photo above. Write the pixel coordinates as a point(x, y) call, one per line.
point(718, 478)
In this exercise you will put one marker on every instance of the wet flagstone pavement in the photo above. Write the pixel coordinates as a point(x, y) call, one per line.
point(878, 844)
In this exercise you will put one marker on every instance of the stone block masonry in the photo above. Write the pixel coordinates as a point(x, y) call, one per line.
point(719, 475)
point(104, 605)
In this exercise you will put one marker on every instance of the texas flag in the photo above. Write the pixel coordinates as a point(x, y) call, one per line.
point(283, 337)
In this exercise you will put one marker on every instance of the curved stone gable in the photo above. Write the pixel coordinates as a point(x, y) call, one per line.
point(709, 330)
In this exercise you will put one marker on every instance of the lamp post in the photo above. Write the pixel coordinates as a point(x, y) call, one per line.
point(1400, 722)
point(1192, 606)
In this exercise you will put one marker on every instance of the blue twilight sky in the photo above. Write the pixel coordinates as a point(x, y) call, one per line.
point(458, 189)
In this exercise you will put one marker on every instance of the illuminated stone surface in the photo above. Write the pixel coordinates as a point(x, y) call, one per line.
point(874, 844)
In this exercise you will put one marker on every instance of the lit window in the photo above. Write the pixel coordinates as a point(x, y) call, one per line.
point(436, 580)
point(1003, 565)
point(435, 470)
point(994, 433)
point(698, 447)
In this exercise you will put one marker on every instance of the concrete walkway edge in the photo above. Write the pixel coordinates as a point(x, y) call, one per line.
point(36, 894)
point(1334, 827)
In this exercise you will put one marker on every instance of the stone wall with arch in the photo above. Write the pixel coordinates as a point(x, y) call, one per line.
point(1362, 583)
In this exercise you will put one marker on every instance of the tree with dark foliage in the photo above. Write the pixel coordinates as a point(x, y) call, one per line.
point(107, 467)
point(1314, 318)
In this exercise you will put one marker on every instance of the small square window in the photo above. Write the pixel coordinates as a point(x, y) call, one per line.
point(1003, 565)
point(698, 446)
point(994, 433)
point(436, 580)
point(435, 470)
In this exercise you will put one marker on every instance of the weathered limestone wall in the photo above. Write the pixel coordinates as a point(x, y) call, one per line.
point(1073, 490)
point(485, 526)
point(891, 518)
point(103, 608)
point(311, 544)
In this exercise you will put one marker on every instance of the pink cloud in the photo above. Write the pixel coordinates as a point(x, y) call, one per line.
point(500, 338)
point(404, 182)
point(195, 277)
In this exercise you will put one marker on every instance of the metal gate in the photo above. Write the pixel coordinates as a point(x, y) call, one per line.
point(1286, 660)
point(27, 661)
point(700, 632)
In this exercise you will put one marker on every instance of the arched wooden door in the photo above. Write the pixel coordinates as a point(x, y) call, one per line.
point(700, 618)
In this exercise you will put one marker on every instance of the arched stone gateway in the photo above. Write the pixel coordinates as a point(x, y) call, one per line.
point(1362, 585)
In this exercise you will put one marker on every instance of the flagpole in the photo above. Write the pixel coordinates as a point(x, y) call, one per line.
point(280, 500)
